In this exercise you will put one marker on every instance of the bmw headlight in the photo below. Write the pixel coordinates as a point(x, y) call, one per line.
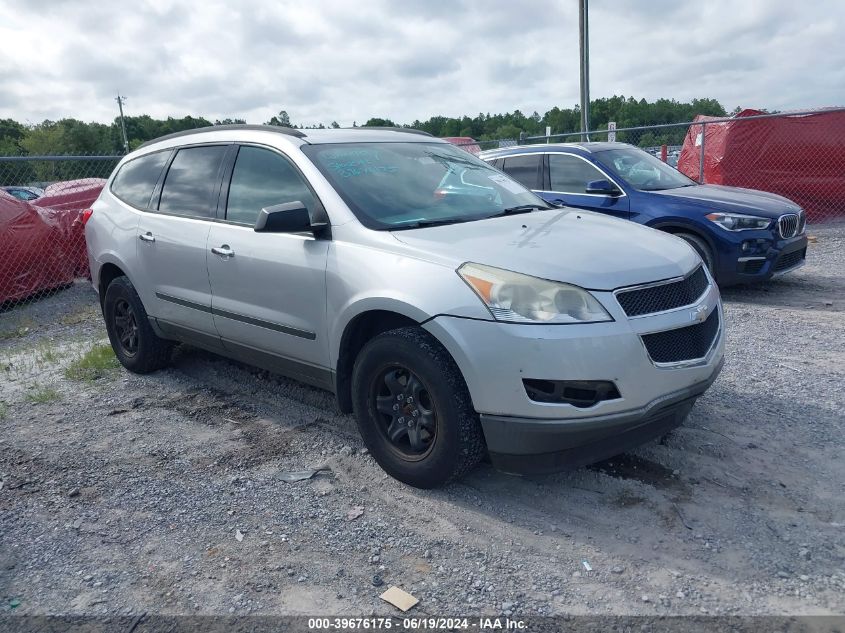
point(521, 298)
point(739, 221)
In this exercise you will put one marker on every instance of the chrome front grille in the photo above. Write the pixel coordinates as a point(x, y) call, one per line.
point(685, 344)
point(788, 225)
point(664, 296)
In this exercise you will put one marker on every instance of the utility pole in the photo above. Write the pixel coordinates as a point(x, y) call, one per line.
point(584, 57)
point(120, 101)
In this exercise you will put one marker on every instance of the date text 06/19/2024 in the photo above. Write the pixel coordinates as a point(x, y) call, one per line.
point(415, 624)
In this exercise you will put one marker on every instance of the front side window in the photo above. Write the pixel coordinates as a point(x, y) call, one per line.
point(409, 185)
point(191, 181)
point(643, 171)
point(524, 169)
point(263, 178)
point(135, 181)
point(570, 174)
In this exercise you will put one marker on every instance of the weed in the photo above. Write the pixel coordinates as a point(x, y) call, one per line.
point(4, 410)
point(21, 328)
point(40, 394)
point(80, 316)
point(94, 364)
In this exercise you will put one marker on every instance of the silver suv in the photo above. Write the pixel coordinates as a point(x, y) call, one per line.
point(455, 312)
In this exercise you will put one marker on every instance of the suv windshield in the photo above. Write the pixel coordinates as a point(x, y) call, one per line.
point(409, 185)
point(643, 171)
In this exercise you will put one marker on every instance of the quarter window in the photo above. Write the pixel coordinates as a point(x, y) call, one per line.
point(263, 178)
point(524, 169)
point(135, 181)
point(191, 180)
point(570, 174)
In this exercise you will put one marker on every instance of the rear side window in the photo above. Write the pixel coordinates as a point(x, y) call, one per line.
point(570, 174)
point(191, 181)
point(263, 178)
point(135, 181)
point(524, 169)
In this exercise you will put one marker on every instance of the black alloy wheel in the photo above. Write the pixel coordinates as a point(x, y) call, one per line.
point(126, 327)
point(406, 411)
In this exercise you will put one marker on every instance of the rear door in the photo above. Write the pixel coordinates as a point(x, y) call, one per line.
point(526, 169)
point(172, 243)
point(565, 181)
point(269, 289)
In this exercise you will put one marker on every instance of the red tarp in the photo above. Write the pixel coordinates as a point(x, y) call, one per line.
point(43, 245)
point(797, 156)
point(464, 142)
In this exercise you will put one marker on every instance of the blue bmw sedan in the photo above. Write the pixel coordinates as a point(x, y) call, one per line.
point(742, 235)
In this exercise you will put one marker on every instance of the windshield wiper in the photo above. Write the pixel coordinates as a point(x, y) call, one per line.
point(522, 208)
point(418, 224)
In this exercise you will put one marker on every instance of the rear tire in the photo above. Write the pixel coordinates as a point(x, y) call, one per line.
point(132, 338)
point(413, 409)
point(702, 248)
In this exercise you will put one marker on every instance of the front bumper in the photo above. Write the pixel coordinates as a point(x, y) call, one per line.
point(784, 257)
point(530, 446)
point(495, 358)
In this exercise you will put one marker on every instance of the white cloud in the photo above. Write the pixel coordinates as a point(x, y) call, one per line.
point(407, 59)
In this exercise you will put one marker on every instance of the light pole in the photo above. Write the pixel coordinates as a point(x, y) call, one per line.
point(584, 57)
point(120, 101)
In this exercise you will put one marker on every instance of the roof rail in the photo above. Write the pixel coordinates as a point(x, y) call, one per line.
point(389, 128)
point(222, 128)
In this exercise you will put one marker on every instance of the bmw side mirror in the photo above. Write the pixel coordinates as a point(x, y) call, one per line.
point(291, 217)
point(602, 188)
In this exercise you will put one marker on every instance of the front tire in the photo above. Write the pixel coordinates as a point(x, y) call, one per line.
point(135, 344)
point(703, 249)
point(413, 409)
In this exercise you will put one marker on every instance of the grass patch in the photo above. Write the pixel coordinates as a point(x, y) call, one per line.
point(94, 364)
point(80, 316)
point(4, 410)
point(42, 395)
point(46, 353)
point(20, 329)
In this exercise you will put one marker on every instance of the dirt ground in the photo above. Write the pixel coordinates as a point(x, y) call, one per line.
point(124, 494)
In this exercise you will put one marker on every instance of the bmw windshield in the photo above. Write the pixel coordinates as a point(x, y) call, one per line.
point(392, 186)
point(643, 171)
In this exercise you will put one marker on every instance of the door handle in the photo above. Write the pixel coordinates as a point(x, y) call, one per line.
point(147, 237)
point(223, 251)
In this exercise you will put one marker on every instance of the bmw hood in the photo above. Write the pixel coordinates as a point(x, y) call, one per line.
point(586, 249)
point(732, 200)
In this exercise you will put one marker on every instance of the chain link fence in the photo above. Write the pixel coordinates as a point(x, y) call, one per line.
point(799, 155)
point(41, 232)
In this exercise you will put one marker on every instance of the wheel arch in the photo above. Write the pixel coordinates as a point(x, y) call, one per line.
point(359, 329)
point(676, 226)
point(108, 273)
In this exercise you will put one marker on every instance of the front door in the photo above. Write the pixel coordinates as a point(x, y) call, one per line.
point(269, 289)
point(566, 182)
point(172, 241)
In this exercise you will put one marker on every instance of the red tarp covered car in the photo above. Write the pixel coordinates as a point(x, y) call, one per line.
point(797, 156)
point(43, 246)
point(465, 142)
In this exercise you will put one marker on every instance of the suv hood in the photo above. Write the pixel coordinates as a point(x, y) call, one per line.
point(733, 200)
point(586, 249)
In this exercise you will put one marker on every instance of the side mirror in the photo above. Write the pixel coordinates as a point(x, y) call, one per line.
point(291, 217)
point(603, 188)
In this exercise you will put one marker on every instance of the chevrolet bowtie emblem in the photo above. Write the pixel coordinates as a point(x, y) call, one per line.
point(699, 314)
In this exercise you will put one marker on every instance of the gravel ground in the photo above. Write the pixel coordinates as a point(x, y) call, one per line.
point(161, 493)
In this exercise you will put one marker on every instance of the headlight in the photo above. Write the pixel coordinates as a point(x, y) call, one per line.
point(738, 221)
point(524, 299)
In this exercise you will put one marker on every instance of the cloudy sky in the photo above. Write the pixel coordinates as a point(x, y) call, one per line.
point(344, 60)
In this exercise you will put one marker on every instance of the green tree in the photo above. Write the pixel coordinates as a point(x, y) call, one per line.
point(377, 122)
point(282, 119)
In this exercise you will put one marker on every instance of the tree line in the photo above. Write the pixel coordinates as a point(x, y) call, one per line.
point(74, 137)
